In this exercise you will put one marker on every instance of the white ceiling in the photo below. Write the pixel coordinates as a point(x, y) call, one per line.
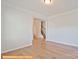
point(38, 6)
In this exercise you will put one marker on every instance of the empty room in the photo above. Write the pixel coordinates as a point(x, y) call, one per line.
point(39, 29)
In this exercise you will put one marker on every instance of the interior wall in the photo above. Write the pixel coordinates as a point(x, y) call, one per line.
point(63, 28)
point(16, 27)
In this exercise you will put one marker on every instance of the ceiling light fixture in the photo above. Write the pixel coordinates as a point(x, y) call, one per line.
point(47, 1)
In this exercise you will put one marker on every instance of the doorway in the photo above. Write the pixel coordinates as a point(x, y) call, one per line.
point(39, 38)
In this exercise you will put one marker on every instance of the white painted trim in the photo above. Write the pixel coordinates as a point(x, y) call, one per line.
point(33, 13)
point(44, 17)
point(16, 48)
point(67, 12)
point(69, 44)
point(74, 45)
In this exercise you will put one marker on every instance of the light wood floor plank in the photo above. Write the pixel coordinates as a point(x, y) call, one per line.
point(53, 51)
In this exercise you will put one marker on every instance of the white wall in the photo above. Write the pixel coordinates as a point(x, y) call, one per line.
point(16, 27)
point(63, 28)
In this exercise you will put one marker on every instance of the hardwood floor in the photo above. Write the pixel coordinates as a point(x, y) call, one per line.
point(53, 51)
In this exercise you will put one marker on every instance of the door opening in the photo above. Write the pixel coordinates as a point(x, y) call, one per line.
point(39, 38)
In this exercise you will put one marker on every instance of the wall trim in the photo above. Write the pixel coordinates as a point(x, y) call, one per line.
point(31, 12)
point(64, 43)
point(74, 45)
point(63, 13)
point(44, 17)
point(16, 48)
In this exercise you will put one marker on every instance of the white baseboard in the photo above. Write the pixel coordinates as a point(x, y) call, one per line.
point(69, 44)
point(31, 44)
point(16, 48)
